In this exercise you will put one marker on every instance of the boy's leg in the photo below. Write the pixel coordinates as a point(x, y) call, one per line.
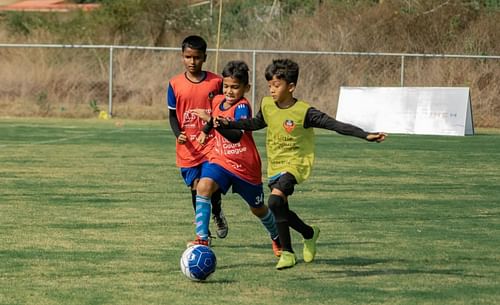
point(267, 219)
point(213, 184)
point(298, 225)
point(284, 185)
point(193, 199)
point(254, 197)
point(280, 210)
point(216, 201)
point(281, 187)
point(269, 222)
point(209, 170)
point(204, 189)
point(202, 219)
point(191, 176)
point(218, 215)
point(309, 233)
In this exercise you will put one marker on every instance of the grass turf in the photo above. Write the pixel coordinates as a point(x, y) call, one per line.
point(95, 213)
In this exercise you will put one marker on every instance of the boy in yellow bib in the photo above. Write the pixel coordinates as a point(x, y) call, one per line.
point(290, 151)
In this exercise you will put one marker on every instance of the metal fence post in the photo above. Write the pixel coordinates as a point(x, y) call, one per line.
point(110, 83)
point(254, 62)
point(402, 80)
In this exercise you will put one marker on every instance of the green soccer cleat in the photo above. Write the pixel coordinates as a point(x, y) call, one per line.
point(310, 246)
point(287, 260)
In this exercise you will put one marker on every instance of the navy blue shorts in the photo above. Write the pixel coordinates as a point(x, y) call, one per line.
point(253, 194)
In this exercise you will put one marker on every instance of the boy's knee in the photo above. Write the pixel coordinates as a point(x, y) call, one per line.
point(260, 211)
point(206, 187)
point(278, 206)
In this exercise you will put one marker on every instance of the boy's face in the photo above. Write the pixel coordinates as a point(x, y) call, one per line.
point(193, 60)
point(280, 90)
point(233, 89)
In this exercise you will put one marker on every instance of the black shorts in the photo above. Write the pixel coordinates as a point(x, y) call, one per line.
point(285, 183)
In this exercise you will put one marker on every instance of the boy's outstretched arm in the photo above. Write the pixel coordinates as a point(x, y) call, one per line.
point(319, 119)
point(255, 123)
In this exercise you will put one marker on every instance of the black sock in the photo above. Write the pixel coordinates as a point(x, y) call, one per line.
point(216, 202)
point(280, 210)
point(193, 199)
point(298, 225)
point(284, 234)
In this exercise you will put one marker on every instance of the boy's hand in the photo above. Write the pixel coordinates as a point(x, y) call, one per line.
point(220, 122)
point(202, 114)
point(376, 137)
point(202, 138)
point(182, 138)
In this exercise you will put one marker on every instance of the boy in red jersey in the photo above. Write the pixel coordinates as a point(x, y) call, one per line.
point(234, 161)
point(190, 90)
point(290, 150)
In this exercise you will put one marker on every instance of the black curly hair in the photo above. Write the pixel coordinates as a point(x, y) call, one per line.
point(237, 69)
point(285, 69)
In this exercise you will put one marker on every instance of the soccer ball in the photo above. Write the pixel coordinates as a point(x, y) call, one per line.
point(198, 262)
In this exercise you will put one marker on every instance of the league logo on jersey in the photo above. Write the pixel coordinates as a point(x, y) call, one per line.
point(188, 119)
point(289, 125)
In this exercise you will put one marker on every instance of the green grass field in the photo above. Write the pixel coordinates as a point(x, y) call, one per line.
point(92, 213)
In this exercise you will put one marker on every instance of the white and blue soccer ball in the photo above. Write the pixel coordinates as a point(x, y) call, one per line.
point(198, 262)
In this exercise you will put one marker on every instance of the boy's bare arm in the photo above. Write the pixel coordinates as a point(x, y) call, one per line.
point(376, 137)
point(202, 114)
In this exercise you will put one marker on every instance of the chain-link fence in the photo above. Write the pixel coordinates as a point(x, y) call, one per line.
point(130, 82)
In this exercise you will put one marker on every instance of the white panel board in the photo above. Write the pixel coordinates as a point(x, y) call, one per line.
point(410, 110)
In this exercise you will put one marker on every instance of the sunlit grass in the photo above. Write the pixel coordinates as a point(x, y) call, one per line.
point(92, 213)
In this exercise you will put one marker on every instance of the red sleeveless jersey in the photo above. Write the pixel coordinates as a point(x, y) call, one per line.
point(188, 96)
point(242, 158)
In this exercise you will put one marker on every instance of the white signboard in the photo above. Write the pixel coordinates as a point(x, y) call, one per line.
point(410, 110)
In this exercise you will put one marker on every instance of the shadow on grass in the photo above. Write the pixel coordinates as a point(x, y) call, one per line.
point(395, 271)
point(350, 261)
point(297, 245)
point(337, 244)
point(35, 255)
point(210, 280)
point(355, 261)
point(363, 262)
point(263, 264)
point(222, 245)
